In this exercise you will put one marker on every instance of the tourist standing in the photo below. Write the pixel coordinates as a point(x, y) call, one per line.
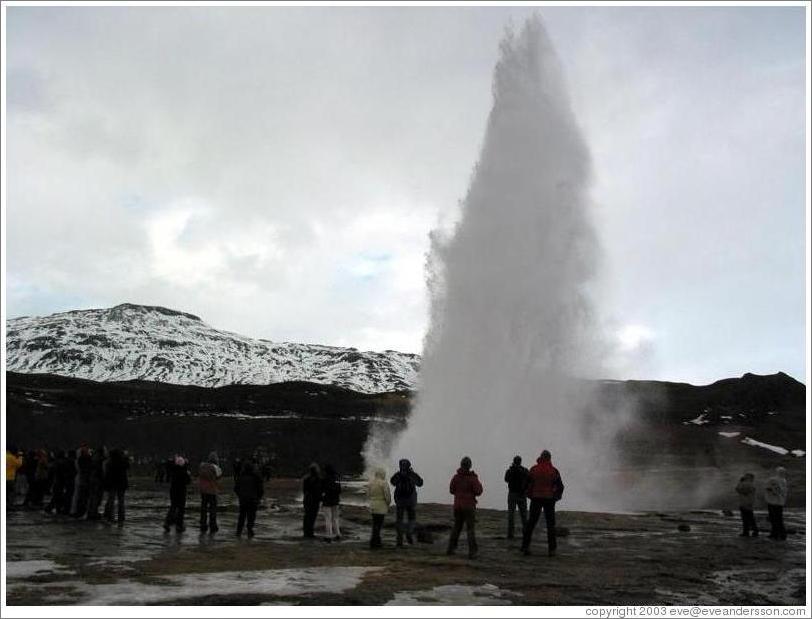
point(380, 497)
point(466, 487)
point(516, 478)
point(249, 489)
point(330, 499)
point(311, 499)
point(179, 478)
point(746, 489)
point(208, 478)
point(544, 489)
point(406, 483)
point(116, 483)
point(775, 493)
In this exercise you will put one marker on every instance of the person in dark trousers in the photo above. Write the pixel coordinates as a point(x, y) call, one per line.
point(29, 471)
point(249, 489)
point(116, 482)
point(160, 470)
point(544, 488)
point(208, 478)
point(179, 478)
point(406, 483)
point(746, 489)
point(81, 481)
point(775, 494)
point(466, 487)
point(311, 499)
point(63, 479)
point(330, 499)
point(380, 497)
point(69, 474)
point(516, 478)
point(96, 486)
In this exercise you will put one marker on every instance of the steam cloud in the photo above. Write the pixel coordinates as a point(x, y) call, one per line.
point(511, 337)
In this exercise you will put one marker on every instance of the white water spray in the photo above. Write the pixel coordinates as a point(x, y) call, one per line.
point(511, 334)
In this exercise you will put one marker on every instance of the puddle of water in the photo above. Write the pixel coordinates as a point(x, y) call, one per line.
point(455, 595)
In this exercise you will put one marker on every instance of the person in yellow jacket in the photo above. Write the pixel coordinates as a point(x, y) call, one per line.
point(13, 464)
point(380, 497)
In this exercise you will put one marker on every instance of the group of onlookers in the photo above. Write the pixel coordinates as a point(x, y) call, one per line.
point(775, 495)
point(78, 481)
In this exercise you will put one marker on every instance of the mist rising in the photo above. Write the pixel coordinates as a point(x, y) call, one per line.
point(511, 328)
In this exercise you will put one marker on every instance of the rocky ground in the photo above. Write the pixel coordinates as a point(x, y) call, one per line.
point(648, 558)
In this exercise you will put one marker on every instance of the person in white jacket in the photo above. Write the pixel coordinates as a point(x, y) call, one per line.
point(775, 494)
point(380, 497)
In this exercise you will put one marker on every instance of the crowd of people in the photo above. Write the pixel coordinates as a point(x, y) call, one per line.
point(80, 481)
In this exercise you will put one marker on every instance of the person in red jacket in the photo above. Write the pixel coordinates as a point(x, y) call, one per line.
point(466, 487)
point(544, 488)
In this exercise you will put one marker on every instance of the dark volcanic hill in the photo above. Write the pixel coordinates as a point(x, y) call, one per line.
point(752, 418)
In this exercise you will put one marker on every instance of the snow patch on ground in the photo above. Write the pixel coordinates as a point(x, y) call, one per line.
point(699, 421)
point(798, 453)
point(729, 434)
point(456, 595)
point(750, 441)
point(26, 569)
point(282, 582)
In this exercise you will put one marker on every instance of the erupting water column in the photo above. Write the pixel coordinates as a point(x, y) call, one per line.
point(511, 326)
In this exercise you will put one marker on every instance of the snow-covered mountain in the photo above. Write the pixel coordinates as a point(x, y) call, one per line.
point(154, 343)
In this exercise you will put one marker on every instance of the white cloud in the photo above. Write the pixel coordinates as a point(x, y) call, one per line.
point(277, 170)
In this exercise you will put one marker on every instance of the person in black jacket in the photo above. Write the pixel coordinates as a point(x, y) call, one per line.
point(179, 478)
point(311, 499)
point(116, 482)
point(63, 472)
point(406, 483)
point(516, 477)
point(330, 498)
point(81, 481)
point(249, 489)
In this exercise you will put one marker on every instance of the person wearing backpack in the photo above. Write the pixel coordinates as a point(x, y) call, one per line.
point(544, 488)
point(406, 483)
point(516, 479)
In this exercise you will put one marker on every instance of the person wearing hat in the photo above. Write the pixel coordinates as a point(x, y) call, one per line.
point(466, 487)
point(516, 479)
point(544, 488)
point(179, 479)
point(406, 483)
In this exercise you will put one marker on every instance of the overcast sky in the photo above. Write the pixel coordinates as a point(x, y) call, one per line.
point(276, 171)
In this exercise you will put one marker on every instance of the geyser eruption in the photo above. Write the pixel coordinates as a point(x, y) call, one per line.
point(511, 334)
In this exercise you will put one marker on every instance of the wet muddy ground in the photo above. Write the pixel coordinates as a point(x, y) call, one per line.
point(602, 559)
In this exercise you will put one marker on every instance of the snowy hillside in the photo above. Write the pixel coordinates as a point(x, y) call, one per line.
point(154, 343)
